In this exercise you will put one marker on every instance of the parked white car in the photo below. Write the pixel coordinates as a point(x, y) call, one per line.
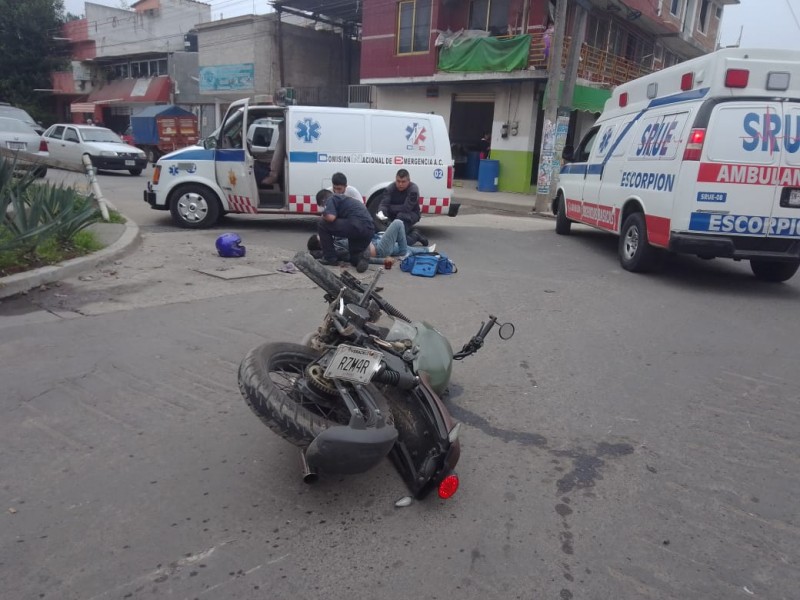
point(16, 135)
point(68, 143)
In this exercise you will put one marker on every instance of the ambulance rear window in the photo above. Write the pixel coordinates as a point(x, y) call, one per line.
point(745, 133)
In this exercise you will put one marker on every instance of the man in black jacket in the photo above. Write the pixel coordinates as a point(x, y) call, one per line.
point(400, 200)
point(344, 217)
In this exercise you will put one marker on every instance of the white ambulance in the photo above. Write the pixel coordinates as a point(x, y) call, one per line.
point(226, 174)
point(701, 158)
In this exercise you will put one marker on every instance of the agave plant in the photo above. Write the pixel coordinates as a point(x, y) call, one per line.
point(33, 212)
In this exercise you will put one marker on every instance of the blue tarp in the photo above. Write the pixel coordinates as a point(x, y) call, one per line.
point(143, 123)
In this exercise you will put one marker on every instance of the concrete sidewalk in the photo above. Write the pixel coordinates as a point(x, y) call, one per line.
point(465, 191)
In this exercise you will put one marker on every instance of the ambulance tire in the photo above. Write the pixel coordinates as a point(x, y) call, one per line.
point(635, 252)
point(563, 224)
point(773, 270)
point(372, 207)
point(205, 202)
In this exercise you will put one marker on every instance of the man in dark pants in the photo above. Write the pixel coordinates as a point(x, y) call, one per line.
point(344, 217)
point(400, 200)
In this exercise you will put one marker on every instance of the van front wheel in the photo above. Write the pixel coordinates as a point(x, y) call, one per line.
point(773, 270)
point(635, 252)
point(563, 224)
point(194, 207)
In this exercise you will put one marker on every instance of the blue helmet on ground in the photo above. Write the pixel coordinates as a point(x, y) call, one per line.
point(229, 245)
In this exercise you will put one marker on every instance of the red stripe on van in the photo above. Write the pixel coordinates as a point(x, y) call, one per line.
point(748, 174)
point(657, 230)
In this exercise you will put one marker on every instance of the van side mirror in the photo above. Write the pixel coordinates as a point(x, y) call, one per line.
point(568, 154)
point(210, 142)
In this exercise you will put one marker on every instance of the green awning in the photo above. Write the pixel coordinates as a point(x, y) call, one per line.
point(586, 98)
point(486, 54)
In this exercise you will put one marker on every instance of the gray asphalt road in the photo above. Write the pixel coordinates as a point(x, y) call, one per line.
point(637, 438)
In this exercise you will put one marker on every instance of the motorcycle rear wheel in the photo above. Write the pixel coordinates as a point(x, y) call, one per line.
point(268, 380)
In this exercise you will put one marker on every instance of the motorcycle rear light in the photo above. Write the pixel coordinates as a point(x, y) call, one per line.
point(694, 149)
point(448, 486)
point(449, 177)
point(156, 174)
point(42, 146)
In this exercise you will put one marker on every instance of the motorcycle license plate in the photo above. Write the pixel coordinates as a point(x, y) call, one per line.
point(353, 364)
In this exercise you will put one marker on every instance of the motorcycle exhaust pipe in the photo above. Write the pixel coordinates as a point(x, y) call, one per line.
point(309, 475)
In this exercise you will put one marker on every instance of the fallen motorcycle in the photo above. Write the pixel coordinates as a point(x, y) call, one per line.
point(365, 385)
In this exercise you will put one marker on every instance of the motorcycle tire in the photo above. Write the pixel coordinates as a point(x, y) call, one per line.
point(283, 408)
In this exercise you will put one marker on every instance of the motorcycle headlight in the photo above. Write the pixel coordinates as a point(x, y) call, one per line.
point(108, 153)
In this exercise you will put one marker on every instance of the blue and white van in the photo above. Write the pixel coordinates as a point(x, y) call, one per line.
point(701, 158)
point(226, 173)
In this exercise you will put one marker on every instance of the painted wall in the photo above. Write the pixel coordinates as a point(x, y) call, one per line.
point(513, 103)
point(119, 32)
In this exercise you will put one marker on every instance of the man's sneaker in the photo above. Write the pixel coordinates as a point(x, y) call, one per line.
point(431, 248)
point(423, 241)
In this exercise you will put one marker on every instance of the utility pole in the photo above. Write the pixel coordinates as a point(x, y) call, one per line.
point(546, 176)
point(575, 45)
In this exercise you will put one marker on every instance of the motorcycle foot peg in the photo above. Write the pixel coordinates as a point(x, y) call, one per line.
point(309, 475)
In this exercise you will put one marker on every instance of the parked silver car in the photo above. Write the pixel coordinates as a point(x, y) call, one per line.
point(68, 143)
point(13, 112)
point(17, 135)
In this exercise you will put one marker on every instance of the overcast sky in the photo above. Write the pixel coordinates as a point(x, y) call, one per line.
point(763, 23)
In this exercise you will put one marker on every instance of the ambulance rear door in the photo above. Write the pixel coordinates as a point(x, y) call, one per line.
point(786, 207)
point(741, 152)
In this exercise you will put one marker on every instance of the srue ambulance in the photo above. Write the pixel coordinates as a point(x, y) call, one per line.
point(701, 158)
point(226, 174)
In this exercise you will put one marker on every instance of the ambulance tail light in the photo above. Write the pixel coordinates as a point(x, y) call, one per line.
point(695, 146)
point(687, 81)
point(156, 174)
point(737, 78)
point(623, 99)
point(450, 177)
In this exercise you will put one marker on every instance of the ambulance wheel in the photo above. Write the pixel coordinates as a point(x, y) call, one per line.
point(194, 206)
point(635, 252)
point(372, 206)
point(563, 224)
point(773, 270)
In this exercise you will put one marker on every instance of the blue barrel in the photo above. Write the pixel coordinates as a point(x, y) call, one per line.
point(488, 174)
point(473, 162)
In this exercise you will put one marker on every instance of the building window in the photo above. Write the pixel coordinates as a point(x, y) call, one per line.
point(718, 13)
point(675, 7)
point(702, 24)
point(489, 15)
point(413, 26)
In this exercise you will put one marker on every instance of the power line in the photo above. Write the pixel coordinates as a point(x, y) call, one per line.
point(794, 16)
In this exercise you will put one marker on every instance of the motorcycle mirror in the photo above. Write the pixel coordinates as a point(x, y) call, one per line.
point(506, 331)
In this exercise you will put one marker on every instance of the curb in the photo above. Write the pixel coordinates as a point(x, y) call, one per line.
point(512, 207)
point(22, 282)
